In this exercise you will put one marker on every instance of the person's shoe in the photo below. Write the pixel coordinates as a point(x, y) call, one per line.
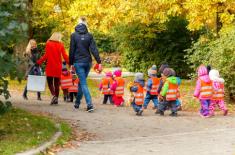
point(140, 112)
point(25, 97)
point(90, 109)
point(54, 100)
point(173, 114)
point(65, 98)
point(179, 108)
point(157, 112)
point(225, 112)
point(154, 108)
point(76, 106)
point(161, 113)
point(39, 98)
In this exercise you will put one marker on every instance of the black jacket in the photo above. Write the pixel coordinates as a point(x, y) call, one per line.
point(82, 44)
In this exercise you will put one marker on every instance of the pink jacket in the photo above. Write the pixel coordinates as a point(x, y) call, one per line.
point(202, 75)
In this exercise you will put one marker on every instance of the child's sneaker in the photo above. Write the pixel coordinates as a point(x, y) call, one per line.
point(226, 112)
point(139, 113)
point(173, 114)
point(76, 106)
point(161, 113)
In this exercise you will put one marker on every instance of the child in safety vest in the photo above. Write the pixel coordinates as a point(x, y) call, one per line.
point(152, 87)
point(65, 81)
point(138, 91)
point(118, 88)
point(218, 92)
point(105, 86)
point(169, 93)
point(204, 90)
point(73, 90)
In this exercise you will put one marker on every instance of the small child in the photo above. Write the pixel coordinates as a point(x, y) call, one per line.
point(203, 90)
point(152, 87)
point(169, 93)
point(118, 88)
point(218, 92)
point(66, 81)
point(105, 88)
point(73, 90)
point(138, 91)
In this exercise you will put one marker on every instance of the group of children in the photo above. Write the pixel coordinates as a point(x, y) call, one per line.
point(164, 91)
point(210, 91)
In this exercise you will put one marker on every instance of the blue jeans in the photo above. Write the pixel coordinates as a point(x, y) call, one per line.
point(82, 70)
point(164, 104)
point(136, 108)
point(150, 97)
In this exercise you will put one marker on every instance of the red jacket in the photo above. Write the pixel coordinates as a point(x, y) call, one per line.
point(52, 55)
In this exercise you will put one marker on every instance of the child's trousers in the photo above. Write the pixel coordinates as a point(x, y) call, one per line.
point(205, 103)
point(164, 104)
point(136, 107)
point(150, 97)
point(219, 103)
point(106, 97)
point(118, 100)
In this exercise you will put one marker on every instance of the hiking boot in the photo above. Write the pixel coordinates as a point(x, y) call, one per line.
point(90, 109)
point(157, 112)
point(161, 113)
point(225, 112)
point(173, 114)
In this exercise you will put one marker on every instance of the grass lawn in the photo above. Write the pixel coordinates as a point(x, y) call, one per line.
point(20, 130)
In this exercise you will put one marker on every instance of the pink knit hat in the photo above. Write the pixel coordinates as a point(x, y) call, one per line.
point(202, 70)
point(117, 73)
point(109, 74)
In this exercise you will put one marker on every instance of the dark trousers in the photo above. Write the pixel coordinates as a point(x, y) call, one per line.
point(106, 97)
point(54, 85)
point(72, 95)
point(25, 92)
point(163, 105)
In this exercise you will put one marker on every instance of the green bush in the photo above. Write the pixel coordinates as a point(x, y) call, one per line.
point(219, 53)
point(145, 45)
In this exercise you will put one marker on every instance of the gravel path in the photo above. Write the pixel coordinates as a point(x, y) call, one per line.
point(120, 132)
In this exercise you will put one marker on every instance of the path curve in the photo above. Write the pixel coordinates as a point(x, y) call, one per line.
point(120, 132)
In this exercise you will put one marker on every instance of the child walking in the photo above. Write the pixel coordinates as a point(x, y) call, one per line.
point(105, 86)
point(73, 90)
point(138, 91)
point(118, 88)
point(218, 92)
point(152, 87)
point(169, 93)
point(203, 90)
point(65, 81)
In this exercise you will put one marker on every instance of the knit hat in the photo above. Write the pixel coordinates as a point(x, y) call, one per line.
point(139, 76)
point(168, 72)
point(117, 72)
point(109, 74)
point(202, 70)
point(214, 76)
point(152, 70)
point(162, 67)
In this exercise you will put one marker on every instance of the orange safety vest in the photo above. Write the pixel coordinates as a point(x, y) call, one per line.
point(139, 95)
point(74, 87)
point(172, 92)
point(218, 94)
point(120, 86)
point(66, 81)
point(106, 83)
point(206, 89)
point(155, 85)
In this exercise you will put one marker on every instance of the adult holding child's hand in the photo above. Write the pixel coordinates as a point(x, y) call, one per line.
point(82, 45)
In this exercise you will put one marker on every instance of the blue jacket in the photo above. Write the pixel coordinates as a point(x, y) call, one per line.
point(135, 88)
point(82, 45)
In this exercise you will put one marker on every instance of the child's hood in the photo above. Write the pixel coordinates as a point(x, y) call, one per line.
point(172, 80)
point(141, 82)
point(205, 78)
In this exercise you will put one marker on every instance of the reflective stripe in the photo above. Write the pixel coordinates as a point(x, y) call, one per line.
point(155, 86)
point(138, 95)
point(66, 84)
point(119, 88)
point(206, 93)
point(206, 87)
point(106, 86)
point(171, 96)
point(139, 100)
point(218, 95)
point(153, 90)
point(66, 80)
point(172, 91)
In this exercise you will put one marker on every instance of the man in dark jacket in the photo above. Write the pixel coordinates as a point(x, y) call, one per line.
point(82, 46)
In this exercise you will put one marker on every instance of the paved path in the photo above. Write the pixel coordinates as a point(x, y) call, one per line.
point(120, 132)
